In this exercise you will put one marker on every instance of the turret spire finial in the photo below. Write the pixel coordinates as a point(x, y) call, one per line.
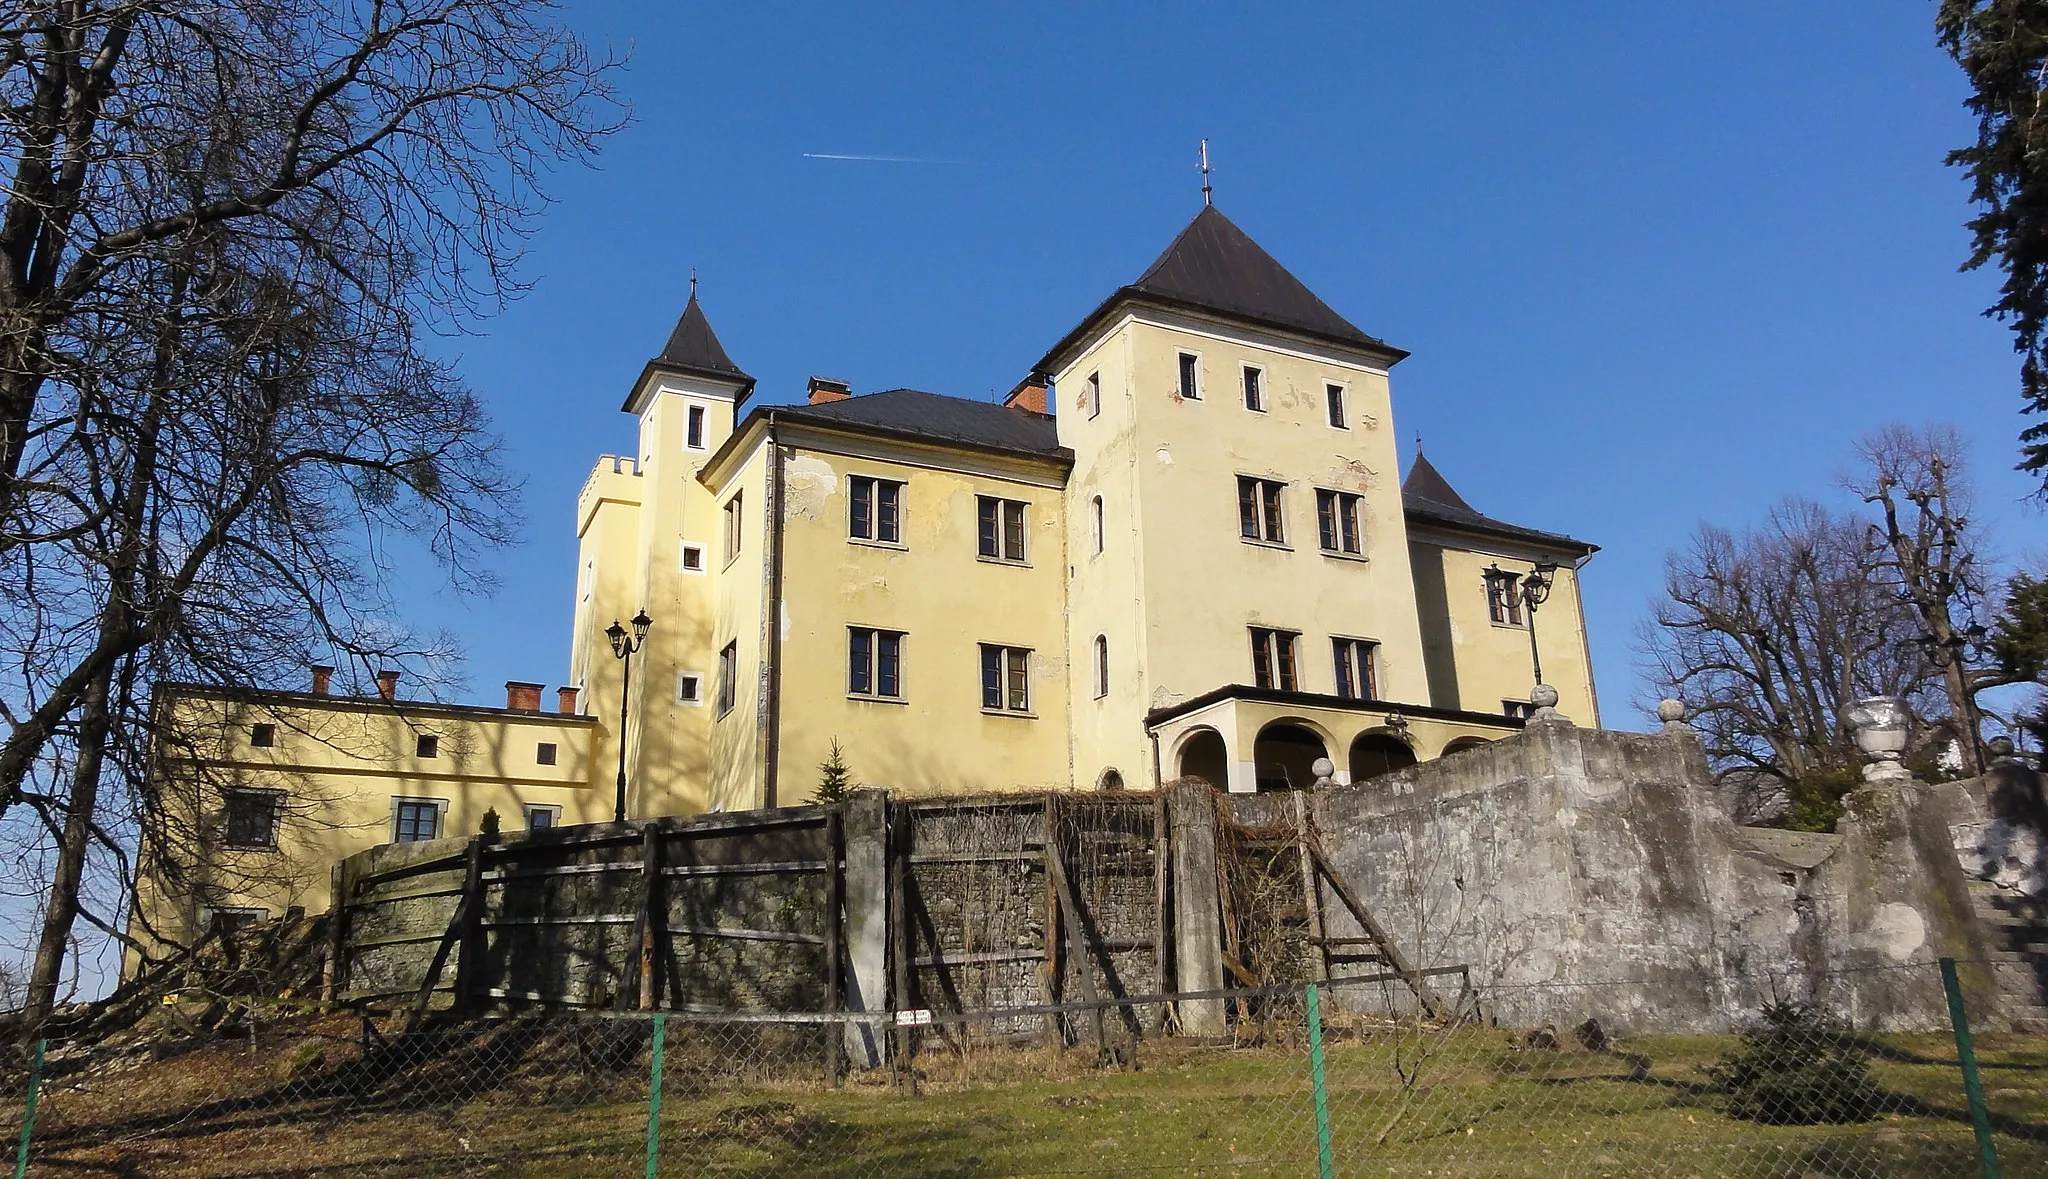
point(693, 282)
point(1206, 199)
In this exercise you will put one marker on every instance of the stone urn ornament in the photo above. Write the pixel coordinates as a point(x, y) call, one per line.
point(1880, 723)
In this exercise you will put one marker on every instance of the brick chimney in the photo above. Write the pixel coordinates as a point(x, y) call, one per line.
point(387, 685)
point(323, 675)
point(521, 696)
point(565, 701)
point(828, 389)
point(1029, 394)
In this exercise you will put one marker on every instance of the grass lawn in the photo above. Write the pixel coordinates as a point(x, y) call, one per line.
point(546, 1107)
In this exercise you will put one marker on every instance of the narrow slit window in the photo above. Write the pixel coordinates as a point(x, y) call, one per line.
point(1101, 666)
point(1095, 510)
point(1334, 394)
point(728, 676)
point(1254, 389)
point(693, 432)
point(1190, 377)
point(1094, 395)
point(733, 527)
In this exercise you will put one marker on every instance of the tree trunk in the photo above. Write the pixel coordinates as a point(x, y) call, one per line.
point(62, 910)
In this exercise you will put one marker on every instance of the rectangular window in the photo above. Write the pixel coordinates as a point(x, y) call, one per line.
point(874, 662)
point(1000, 527)
point(693, 558)
point(1094, 395)
point(415, 820)
point(728, 677)
point(1258, 510)
point(1335, 395)
point(689, 688)
point(1356, 679)
point(426, 745)
point(1254, 391)
point(251, 818)
point(1517, 708)
point(693, 433)
point(234, 921)
point(1273, 658)
point(1337, 521)
point(1005, 678)
point(1504, 597)
point(541, 818)
point(263, 736)
point(873, 509)
point(732, 527)
point(1190, 377)
point(545, 753)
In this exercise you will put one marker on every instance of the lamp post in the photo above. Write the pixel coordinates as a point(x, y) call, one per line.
point(623, 646)
point(1535, 590)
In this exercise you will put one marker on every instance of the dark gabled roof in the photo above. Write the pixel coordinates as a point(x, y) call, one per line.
point(1215, 266)
point(1426, 495)
point(915, 414)
point(693, 349)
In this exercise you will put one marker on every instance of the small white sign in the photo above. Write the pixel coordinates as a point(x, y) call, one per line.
point(913, 1019)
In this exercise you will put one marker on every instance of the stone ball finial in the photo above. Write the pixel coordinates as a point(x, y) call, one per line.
point(2001, 747)
point(1323, 767)
point(1543, 696)
point(1671, 712)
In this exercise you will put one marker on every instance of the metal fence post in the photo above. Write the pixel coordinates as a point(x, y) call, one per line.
point(1315, 1068)
point(28, 1113)
point(654, 1096)
point(1973, 1086)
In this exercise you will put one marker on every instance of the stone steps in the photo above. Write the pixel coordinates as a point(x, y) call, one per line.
point(2017, 928)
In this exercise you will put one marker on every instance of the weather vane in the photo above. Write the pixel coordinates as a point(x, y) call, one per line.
point(1205, 174)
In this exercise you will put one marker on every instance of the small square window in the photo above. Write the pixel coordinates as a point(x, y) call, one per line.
point(689, 688)
point(542, 818)
point(545, 754)
point(426, 745)
point(263, 736)
point(693, 558)
point(1520, 709)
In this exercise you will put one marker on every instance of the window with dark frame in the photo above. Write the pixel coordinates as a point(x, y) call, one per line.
point(1335, 396)
point(1094, 395)
point(1356, 677)
point(874, 662)
point(1101, 666)
point(1504, 597)
point(693, 433)
point(416, 821)
point(1000, 527)
point(426, 745)
point(1190, 377)
point(1521, 709)
point(544, 753)
point(250, 818)
point(541, 818)
point(1254, 390)
point(733, 522)
point(693, 558)
point(1337, 521)
point(1273, 658)
point(1005, 678)
point(1258, 510)
point(728, 676)
point(873, 509)
point(689, 688)
point(263, 736)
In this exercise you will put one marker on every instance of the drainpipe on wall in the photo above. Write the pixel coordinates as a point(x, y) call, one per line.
point(773, 741)
point(1585, 638)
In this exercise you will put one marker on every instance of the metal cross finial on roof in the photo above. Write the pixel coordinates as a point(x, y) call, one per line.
point(693, 282)
point(1205, 174)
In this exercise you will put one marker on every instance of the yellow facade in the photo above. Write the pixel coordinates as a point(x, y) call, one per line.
point(1137, 619)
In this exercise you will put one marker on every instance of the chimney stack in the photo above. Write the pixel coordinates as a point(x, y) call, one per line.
point(521, 696)
point(565, 701)
point(829, 389)
point(1029, 394)
point(322, 676)
point(387, 685)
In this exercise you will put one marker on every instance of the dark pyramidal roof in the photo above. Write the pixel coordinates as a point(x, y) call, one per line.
point(917, 414)
point(1427, 495)
point(1216, 265)
point(694, 347)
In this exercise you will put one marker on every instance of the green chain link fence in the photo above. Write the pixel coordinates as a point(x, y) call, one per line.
point(1312, 1080)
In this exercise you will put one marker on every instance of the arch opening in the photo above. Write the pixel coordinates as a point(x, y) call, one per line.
point(1205, 757)
point(1285, 755)
point(1374, 754)
point(1110, 780)
point(1461, 744)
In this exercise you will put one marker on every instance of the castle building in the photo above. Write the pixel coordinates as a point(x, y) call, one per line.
point(1177, 548)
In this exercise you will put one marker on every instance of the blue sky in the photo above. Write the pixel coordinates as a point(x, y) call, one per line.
point(1657, 263)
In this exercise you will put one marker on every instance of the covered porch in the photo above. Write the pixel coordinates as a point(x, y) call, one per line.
point(1245, 739)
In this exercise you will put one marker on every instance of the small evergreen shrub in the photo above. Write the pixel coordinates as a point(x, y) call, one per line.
point(836, 777)
point(1797, 1068)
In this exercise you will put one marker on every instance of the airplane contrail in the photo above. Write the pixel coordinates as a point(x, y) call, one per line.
point(822, 155)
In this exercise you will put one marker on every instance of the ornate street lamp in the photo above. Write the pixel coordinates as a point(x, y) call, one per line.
point(623, 646)
point(1534, 591)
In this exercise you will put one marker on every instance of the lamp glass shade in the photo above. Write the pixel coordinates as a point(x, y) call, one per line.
point(617, 634)
point(640, 624)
